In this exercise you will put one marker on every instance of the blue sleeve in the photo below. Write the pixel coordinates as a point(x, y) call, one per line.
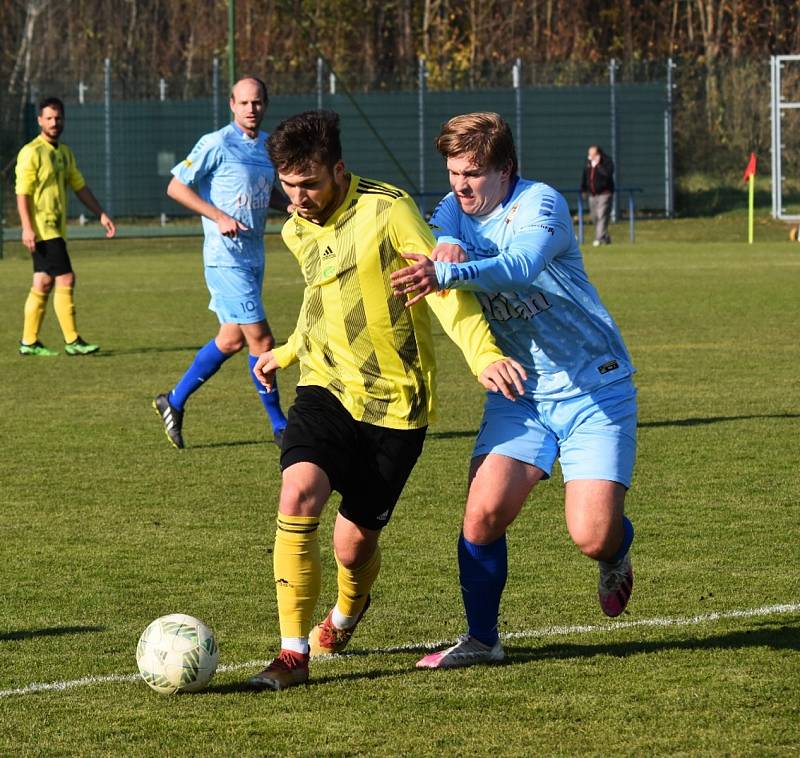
point(200, 162)
point(444, 221)
point(539, 236)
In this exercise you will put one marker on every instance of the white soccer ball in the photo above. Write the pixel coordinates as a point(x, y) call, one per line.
point(177, 653)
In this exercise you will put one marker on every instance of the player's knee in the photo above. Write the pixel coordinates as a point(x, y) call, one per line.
point(484, 523)
point(43, 284)
point(298, 500)
point(598, 547)
point(230, 345)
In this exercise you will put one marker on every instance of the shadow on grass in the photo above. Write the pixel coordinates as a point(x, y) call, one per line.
point(715, 420)
point(234, 443)
point(450, 435)
point(55, 631)
point(702, 421)
point(146, 350)
point(782, 637)
point(315, 680)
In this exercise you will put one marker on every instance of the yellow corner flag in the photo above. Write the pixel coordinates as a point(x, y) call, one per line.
point(750, 177)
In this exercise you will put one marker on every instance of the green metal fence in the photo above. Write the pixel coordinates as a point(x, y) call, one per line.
point(126, 148)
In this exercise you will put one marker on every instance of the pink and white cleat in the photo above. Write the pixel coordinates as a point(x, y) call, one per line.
point(466, 652)
point(615, 586)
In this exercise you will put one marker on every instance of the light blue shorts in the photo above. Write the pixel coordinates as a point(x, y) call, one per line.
point(593, 435)
point(236, 293)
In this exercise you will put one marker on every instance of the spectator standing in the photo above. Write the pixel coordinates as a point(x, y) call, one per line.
point(598, 183)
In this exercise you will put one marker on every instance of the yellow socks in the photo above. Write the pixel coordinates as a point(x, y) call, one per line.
point(354, 587)
point(297, 568)
point(35, 306)
point(64, 307)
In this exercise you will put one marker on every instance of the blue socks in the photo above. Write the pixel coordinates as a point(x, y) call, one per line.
point(206, 363)
point(270, 400)
point(483, 570)
point(627, 541)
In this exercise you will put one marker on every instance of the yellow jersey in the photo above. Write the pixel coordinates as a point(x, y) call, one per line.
point(354, 336)
point(43, 173)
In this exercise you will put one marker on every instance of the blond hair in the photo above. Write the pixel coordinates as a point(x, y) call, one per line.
point(485, 138)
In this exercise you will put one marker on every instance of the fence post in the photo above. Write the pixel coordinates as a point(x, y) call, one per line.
point(109, 205)
point(516, 76)
point(320, 69)
point(775, 115)
point(612, 81)
point(421, 74)
point(669, 182)
point(232, 42)
point(2, 212)
point(630, 215)
point(215, 91)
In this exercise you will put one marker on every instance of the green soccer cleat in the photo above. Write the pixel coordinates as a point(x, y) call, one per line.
point(80, 347)
point(37, 348)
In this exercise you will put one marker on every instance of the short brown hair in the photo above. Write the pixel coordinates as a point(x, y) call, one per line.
point(485, 138)
point(306, 137)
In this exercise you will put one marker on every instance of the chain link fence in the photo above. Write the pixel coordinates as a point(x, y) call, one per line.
point(657, 119)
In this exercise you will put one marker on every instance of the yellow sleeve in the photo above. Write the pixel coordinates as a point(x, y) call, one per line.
point(286, 354)
point(74, 176)
point(459, 312)
point(27, 164)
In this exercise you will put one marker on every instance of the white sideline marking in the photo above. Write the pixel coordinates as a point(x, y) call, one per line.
point(547, 631)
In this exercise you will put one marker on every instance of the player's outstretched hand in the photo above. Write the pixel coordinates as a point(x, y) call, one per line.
point(417, 280)
point(265, 369)
point(447, 252)
point(504, 376)
point(108, 224)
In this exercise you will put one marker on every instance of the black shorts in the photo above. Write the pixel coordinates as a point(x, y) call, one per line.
point(367, 464)
point(51, 257)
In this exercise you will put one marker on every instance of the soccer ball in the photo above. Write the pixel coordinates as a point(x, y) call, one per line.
point(177, 653)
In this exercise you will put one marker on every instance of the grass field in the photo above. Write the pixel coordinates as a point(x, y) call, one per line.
point(104, 527)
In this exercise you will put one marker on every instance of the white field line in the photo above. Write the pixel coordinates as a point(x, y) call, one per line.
point(547, 631)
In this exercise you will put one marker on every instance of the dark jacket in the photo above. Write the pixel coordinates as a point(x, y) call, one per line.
point(599, 179)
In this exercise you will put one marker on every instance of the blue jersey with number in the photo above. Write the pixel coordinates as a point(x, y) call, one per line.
point(234, 173)
point(525, 265)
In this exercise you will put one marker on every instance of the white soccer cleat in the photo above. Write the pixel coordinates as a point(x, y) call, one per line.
point(466, 652)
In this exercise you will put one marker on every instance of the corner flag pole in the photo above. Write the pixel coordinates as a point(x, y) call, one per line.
point(750, 178)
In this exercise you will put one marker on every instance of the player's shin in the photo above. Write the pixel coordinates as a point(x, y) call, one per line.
point(35, 306)
point(206, 363)
point(64, 306)
point(482, 570)
point(270, 400)
point(297, 570)
point(354, 588)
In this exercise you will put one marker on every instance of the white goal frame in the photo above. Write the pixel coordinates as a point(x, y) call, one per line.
point(777, 107)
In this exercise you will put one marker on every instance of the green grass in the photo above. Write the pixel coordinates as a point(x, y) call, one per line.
point(104, 527)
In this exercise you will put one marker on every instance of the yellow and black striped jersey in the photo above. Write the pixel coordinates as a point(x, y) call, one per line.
point(353, 335)
point(43, 173)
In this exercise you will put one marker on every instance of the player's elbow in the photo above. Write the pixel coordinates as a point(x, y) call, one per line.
point(174, 189)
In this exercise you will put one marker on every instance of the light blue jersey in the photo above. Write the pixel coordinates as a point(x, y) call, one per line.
point(525, 265)
point(234, 173)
